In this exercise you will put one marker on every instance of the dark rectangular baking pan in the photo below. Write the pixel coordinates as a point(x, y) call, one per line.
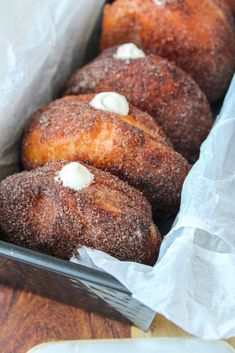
point(67, 282)
point(71, 284)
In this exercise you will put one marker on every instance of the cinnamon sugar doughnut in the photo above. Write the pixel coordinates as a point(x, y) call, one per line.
point(156, 86)
point(39, 213)
point(196, 35)
point(71, 129)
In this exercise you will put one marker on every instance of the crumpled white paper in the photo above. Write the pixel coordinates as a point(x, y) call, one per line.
point(193, 282)
point(41, 43)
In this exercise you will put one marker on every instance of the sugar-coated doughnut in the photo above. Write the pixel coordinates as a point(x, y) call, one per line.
point(71, 129)
point(196, 35)
point(39, 212)
point(156, 86)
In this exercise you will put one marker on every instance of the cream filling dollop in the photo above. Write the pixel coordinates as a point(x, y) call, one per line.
point(74, 176)
point(110, 102)
point(128, 51)
point(161, 2)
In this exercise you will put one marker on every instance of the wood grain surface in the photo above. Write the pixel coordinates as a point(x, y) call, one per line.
point(27, 320)
point(162, 327)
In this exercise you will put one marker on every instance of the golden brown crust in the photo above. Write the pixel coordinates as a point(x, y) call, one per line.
point(71, 129)
point(39, 213)
point(137, 118)
point(195, 34)
point(156, 86)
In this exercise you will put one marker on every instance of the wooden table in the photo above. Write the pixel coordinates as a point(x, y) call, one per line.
point(27, 320)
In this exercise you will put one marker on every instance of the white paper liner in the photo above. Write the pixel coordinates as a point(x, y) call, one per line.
point(41, 43)
point(193, 283)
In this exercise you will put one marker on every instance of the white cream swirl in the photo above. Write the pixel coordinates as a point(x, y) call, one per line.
point(74, 176)
point(161, 3)
point(110, 102)
point(128, 51)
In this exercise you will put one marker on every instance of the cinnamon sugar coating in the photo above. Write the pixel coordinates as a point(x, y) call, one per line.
point(156, 86)
point(196, 35)
point(228, 7)
point(71, 129)
point(230, 4)
point(39, 213)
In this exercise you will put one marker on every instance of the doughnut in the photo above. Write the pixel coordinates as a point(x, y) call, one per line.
point(196, 35)
point(62, 206)
point(154, 85)
point(71, 128)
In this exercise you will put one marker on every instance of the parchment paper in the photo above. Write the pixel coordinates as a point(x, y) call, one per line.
point(41, 43)
point(193, 283)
